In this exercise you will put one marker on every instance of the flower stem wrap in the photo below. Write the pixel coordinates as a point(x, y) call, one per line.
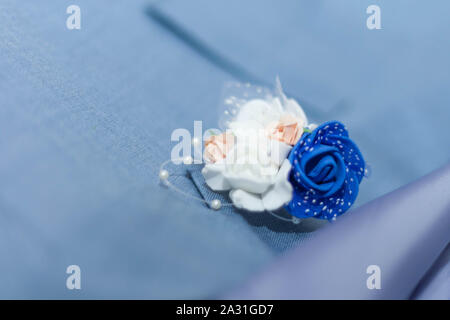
point(327, 168)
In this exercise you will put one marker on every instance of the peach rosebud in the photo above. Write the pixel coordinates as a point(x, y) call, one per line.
point(217, 147)
point(288, 129)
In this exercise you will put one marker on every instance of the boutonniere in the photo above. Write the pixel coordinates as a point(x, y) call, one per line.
point(269, 157)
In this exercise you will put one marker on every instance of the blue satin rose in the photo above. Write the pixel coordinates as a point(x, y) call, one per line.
point(327, 168)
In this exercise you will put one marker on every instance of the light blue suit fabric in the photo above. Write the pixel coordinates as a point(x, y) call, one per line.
point(86, 118)
point(85, 121)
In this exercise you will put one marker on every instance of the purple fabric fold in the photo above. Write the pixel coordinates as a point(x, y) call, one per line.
point(436, 283)
point(402, 233)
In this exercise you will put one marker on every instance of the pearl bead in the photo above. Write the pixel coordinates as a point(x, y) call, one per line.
point(164, 175)
point(216, 204)
point(188, 160)
point(296, 220)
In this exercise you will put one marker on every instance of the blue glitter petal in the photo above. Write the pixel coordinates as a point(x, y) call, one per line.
point(327, 168)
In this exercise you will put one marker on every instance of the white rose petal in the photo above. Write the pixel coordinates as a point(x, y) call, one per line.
point(256, 169)
point(280, 192)
point(246, 200)
point(279, 151)
point(258, 111)
point(214, 178)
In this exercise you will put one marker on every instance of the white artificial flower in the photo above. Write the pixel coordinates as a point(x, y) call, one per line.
point(255, 184)
point(256, 170)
